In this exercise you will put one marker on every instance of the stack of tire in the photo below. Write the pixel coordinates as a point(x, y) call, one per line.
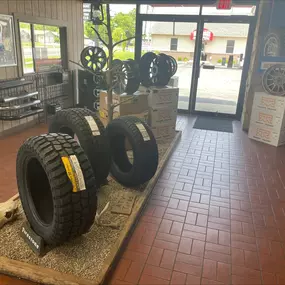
point(59, 173)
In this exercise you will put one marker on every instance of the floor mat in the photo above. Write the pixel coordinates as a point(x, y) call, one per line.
point(214, 124)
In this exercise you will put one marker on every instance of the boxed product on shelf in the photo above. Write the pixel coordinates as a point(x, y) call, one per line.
point(162, 116)
point(267, 135)
point(164, 132)
point(264, 101)
point(268, 118)
point(267, 122)
point(161, 96)
point(126, 104)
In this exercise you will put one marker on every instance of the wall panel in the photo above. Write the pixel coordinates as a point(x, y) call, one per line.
point(35, 8)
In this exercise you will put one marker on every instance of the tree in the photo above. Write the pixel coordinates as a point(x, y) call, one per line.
point(118, 34)
point(119, 22)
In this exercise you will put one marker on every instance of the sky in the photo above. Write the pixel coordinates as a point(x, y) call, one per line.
point(117, 8)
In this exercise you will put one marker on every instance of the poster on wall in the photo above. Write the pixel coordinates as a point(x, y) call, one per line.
point(273, 51)
point(272, 63)
point(7, 42)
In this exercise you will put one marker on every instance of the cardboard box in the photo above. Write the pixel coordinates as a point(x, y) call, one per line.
point(164, 132)
point(104, 114)
point(129, 104)
point(267, 135)
point(264, 101)
point(268, 118)
point(162, 116)
point(161, 96)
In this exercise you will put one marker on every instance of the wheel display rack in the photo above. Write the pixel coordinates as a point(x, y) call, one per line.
point(16, 102)
point(24, 97)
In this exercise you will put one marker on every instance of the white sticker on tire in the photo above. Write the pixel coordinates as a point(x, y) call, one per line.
point(93, 126)
point(79, 175)
point(143, 131)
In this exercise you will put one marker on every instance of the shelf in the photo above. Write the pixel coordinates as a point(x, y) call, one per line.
point(18, 107)
point(29, 113)
point(14, 83)
point(22, 96)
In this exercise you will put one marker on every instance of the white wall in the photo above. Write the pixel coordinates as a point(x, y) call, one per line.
point(162, 43)
point(217, 46)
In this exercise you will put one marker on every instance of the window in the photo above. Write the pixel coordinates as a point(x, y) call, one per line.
point(230, 46)
point(26, 46)
point(41, 50)
point(173, 43)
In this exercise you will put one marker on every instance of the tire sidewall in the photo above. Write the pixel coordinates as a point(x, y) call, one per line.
point(43, 230)
point(140, 150)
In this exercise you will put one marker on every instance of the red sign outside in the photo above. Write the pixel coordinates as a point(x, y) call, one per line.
point(207, 35)
point(224, 4)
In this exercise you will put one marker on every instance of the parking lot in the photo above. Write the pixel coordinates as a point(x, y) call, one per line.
point(218, 88)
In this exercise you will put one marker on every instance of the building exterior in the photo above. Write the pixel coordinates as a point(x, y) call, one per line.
point(48, 37)
point(178, 40)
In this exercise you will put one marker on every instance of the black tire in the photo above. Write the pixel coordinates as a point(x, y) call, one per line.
point(149, 69)
point(94, 143)
point(54, 211)
point(145, 151)
point(165, 70)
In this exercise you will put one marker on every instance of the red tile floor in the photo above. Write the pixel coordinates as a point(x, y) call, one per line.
point(216, 215)
point(8, 153)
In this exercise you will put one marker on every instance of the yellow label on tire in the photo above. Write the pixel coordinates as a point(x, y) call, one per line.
point(70, 173)
point(74, 173)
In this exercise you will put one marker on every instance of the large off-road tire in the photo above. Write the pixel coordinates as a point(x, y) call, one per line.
point(57, 187)
point(88, 130)
point(144, 147)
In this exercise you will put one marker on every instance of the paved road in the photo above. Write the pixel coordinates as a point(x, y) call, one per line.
point(52, 51)
point(218, 89)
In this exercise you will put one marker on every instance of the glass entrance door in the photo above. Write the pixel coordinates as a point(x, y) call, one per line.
point(223, 49)
point(173, 38)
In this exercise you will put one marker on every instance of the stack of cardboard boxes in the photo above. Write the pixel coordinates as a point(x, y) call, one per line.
point(136, 104)
point(162, 114)
point(158, 106)
point(267, 123)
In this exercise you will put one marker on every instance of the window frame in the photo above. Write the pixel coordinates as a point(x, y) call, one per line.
point(62, 25)
point(230, 46)
point(173, 44)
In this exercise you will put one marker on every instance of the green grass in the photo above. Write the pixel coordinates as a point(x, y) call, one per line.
point(124, 55)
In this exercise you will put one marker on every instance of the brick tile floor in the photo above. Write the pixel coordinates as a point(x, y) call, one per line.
point(216, 215)
point(8, 153)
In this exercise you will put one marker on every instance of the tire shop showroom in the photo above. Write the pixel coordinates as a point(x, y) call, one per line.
point(107, 112)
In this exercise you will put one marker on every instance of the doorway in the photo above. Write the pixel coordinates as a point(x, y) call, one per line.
point(212, 49)
point(219, 75)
